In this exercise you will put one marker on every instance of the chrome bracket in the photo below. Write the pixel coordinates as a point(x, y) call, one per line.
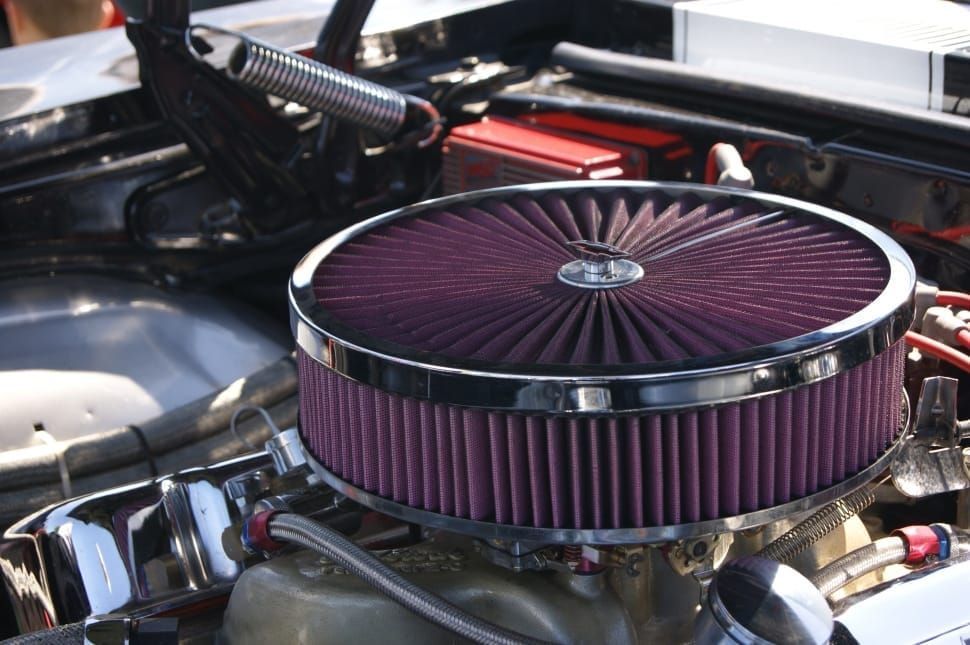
point(931, 460)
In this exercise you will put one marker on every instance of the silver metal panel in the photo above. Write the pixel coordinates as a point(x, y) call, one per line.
point(83, 354)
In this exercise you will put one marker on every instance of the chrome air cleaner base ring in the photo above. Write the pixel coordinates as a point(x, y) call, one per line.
point(645, 535)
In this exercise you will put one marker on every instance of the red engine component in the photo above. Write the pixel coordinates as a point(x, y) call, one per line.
point(921, 542)
point(499, 152)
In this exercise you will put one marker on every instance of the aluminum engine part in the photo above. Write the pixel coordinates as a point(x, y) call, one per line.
point(754, 600)
point(642, 601)
point(289, 597)
point(451, 377)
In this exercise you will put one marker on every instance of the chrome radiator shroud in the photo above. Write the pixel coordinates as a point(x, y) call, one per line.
point(448, 372)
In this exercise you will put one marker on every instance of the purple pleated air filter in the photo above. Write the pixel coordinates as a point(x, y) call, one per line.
point(600, 361)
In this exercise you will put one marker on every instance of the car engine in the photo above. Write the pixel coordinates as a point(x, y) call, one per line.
point(502, 322)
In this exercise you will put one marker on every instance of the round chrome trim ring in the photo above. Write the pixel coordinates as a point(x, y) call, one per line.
point(644, 535)
point(597, 389)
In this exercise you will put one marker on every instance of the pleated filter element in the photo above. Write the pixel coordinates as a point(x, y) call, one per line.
point(602, 472)
point(473, 286)
point(479, 280)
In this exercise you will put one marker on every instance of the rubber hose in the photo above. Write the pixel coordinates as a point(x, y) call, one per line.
point(854, 565)
point(954, 298)
point(70, 634)
point(818, 525)
point(296, 529)
point(938, 350)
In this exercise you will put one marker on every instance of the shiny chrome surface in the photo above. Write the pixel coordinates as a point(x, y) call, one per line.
point(645, 535)
point(665, 385)
point(600, 266)
point(926, 606)
point(197, 515)
point(287, 451)
point(931, 460)
point(755, 600)
point(125, 549)
point(83, 354)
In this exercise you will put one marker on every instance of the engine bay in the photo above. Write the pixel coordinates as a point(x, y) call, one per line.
point(520, 321)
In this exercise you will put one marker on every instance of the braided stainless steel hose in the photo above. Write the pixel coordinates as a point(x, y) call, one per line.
point(69, 634)
point(854, 565)
point(296, 529)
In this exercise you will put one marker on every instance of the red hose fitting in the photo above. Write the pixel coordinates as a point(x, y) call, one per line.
point(255, 533)
point(921, 542)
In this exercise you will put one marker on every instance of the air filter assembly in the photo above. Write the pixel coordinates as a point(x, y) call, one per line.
point(601, 362)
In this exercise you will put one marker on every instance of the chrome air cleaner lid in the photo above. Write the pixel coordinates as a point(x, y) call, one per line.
point(714, 295)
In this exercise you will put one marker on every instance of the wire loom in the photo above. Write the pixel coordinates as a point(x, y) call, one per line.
point(479, 281)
